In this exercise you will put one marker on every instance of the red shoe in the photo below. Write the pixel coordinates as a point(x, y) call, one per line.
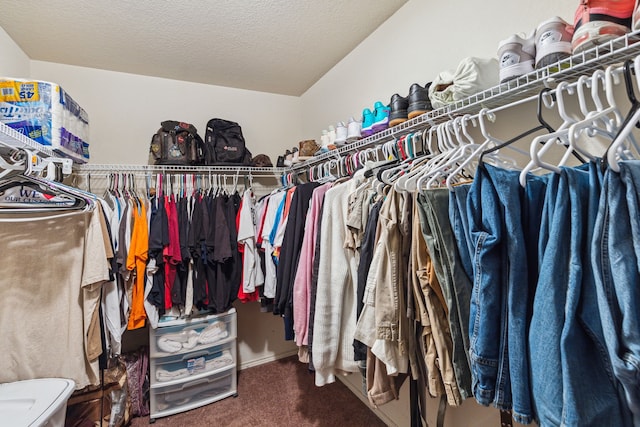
point(599, 21)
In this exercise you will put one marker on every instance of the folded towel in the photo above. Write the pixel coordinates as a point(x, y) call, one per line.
point(172, 343)
point(191, 343)
point(220, 360)
point(168, 346)
point(214, 332)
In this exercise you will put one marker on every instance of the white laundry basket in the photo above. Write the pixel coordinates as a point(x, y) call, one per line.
point(38, 402)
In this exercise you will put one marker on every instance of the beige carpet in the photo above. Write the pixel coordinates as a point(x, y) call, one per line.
point(280, 393)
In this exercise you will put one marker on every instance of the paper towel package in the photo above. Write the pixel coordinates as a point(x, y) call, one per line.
point(44, 112)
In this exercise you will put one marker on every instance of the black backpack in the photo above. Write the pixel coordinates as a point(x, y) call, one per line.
point(177, 143)
point(225, 144)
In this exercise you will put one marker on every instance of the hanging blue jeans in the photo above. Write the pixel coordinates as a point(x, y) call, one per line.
point(616, 260)
point(500, 297)
point(458, 216)
point(571, 380)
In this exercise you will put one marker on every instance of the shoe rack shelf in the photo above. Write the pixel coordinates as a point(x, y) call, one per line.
point(525, 86)
point(569, 69)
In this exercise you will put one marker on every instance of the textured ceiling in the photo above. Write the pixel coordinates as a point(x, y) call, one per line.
point(279, 46)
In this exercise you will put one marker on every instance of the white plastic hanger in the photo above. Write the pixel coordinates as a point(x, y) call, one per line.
point(541, 144)
point(619, 148)
point(603, 121)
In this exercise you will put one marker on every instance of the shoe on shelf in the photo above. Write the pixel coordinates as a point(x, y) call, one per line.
point(324, 139)
point(341, 134)
point(354, 130)
point(380, 117)
point(288, 157)
point(635, 20)
point(296, 156)
point(367, 122)
point(321, 150)
point(418, 100)
point(398, 111)
point(599, 21)
point(308, 148)
point(517, 56)
point(332, 135)
point(553, 41)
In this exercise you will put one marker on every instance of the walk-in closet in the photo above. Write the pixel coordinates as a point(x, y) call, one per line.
point(432, 218)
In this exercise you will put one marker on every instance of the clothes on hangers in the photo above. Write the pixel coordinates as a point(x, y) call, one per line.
point(483, 291)
point(51, 301)
point(252, 274)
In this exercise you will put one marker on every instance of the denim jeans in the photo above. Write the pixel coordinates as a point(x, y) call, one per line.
point(458, 216)
point(456, 288)
point(571, 381)
point(532, 214)
point(616, 260)
point(500, 298)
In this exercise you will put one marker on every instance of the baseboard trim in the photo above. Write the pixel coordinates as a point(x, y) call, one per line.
point(358, 392)
point(267, 359)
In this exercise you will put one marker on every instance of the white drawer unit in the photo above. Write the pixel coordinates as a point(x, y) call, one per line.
point(193, 362)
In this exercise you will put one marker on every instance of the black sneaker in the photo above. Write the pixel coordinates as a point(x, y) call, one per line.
point(398, 113)
point(418, 100)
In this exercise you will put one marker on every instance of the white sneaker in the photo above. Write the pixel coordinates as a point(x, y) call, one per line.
point(354, 129)
point(553, 41)
point(517, 56)
point(324, 139)
point(332, 135)
point(341, 133)
point(288, 157)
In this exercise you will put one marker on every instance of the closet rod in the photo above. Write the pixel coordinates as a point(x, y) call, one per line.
point(522, 88)
point(171, 169)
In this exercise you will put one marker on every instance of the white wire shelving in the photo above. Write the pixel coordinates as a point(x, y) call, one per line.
point(105, 169)
point(570, 69)
point(614, 52)
point(12, 138)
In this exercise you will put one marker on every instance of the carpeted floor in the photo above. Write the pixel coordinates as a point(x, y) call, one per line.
point(280, 393)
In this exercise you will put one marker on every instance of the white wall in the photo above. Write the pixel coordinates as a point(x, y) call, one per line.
point(126, 109)
point(13, 61)
point(413, 46)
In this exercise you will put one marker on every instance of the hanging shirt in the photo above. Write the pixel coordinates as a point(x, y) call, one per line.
point(137, 263)
point(270, 266)
point(53, 314)
point(171, 252)
point(335, 306)
point(302, 281)
point(252, 275)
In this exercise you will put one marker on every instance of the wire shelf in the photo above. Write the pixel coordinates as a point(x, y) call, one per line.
point(570, 69)
point(174, 169)
point(15, 139)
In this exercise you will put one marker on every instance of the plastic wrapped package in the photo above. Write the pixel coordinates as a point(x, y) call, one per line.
point(44, 112)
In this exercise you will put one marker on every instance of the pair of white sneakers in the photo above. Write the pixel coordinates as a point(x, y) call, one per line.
point(550, 42)
point(341, 134)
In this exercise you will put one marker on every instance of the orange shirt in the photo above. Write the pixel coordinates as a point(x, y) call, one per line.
point(137, 262)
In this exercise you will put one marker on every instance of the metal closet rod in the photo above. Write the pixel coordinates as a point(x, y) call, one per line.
point(171, 169)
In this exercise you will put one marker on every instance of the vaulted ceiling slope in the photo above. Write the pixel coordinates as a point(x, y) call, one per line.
point(278, 46)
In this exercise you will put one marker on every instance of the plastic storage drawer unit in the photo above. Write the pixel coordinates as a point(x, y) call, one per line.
point(193, 363)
